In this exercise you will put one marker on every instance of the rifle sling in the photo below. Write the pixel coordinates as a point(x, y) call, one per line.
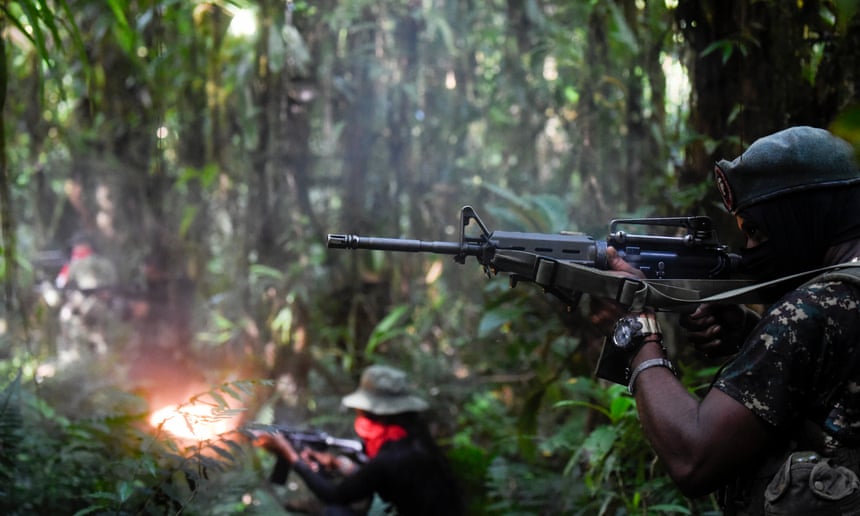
point(678, 295)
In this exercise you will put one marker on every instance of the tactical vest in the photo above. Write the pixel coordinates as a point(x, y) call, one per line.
point(802, 481)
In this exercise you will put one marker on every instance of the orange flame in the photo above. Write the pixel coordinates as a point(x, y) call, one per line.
point(191, 422)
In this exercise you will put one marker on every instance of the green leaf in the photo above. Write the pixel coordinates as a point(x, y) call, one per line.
point(669, 508)
point(599, 443)
point(845, 12)
point(11, 424)
point(622, 33)
point(229, 390)
point(493, 320)
point(283, 323)
point(724, 46)
point(189, 213)
point(386, 329)
point(222, 452)
point(38, 17)
point(264, 271)
point(126, 489)
point(621, 407)
point(125, 35)
point(218, 399)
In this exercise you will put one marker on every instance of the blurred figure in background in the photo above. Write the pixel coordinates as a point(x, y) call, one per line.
point(89, 313)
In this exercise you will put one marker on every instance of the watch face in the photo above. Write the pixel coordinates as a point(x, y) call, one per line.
point(625, 330)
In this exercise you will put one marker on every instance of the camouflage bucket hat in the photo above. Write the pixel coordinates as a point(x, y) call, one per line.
point(383, 390)
point(792, 160)
point(91, 273)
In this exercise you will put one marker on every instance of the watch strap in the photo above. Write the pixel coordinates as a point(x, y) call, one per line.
point(613, 364)
point(650, 326)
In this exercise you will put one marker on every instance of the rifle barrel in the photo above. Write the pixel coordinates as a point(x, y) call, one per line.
point(399, 244)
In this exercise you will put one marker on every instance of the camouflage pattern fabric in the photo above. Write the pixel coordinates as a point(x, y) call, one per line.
point(798, 370)
point(92, 272)
point(801, 363)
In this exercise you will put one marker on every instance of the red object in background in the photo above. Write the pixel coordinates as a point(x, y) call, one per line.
point(79, 252)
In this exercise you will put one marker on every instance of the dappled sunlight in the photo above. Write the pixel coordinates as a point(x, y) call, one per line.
point(244, 22)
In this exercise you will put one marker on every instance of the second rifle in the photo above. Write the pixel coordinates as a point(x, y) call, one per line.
point(315, 440)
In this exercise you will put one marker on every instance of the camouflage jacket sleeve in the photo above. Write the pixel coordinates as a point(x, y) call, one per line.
point(801, 361)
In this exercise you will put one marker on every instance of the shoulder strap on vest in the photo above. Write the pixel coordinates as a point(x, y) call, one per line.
point(847, 272)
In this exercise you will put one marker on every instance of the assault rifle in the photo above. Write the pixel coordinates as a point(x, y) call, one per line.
point(315, 440)
point(680, 269)
point(50, 261)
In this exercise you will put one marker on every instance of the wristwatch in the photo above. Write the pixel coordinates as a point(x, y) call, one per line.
point(631, 330)
point(626, 340)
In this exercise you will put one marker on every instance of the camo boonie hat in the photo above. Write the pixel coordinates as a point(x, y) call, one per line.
point(91, 273)
point(383, 391)
point(792, 160)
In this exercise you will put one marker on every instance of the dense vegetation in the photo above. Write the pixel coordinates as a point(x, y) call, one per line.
point(227, 138)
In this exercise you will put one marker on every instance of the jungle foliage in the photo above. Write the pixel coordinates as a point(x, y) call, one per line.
point(226, 138)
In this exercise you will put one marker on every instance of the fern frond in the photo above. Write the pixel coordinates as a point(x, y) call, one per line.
point(11, 423)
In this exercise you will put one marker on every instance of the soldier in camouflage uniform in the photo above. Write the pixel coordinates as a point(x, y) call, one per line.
point(88, 313)
point(779, 431)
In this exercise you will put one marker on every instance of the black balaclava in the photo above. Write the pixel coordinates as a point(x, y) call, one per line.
point(800, 228)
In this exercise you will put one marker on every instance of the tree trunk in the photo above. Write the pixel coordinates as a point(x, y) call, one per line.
point(7, 224)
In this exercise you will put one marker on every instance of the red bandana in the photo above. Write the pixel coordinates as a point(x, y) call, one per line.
point(78, 253)
point(375, 434)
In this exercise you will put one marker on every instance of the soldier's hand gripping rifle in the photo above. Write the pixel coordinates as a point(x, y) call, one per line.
point(315, 440)
point(680, 271)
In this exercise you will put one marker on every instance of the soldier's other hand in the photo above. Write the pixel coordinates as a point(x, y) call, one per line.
point(605, 312)
point(621, 267)
point(718, 330)
point(277, 444)
point(319, 459)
